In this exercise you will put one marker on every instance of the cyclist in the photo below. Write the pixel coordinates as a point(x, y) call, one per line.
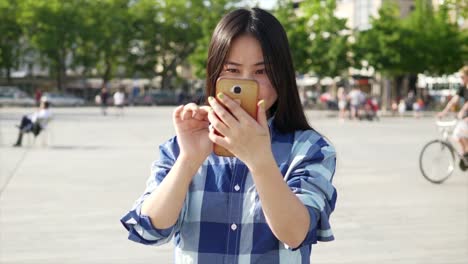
point(460, 132)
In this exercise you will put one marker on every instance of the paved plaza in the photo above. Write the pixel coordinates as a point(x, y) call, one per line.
point(62, 203)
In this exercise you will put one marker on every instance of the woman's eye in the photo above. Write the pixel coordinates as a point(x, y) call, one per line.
point(262, 71)
point(232, 70)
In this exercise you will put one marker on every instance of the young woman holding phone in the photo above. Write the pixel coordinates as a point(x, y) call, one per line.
point(270, 202)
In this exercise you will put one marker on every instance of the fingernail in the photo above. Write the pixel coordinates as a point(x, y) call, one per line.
point(261, 104)
point(221, 96)
point(210, 98)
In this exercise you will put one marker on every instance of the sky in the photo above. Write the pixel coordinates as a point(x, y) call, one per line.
point(267, 4)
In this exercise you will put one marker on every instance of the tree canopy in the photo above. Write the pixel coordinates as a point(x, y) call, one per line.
point(149, 38)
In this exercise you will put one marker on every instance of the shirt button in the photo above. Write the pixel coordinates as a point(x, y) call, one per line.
point(233, 227)
point(237, 187)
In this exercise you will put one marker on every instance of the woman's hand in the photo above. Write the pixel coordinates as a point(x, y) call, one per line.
point(191, 125)
point(246, 138)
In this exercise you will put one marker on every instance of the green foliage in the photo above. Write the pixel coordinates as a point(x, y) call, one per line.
point(166, 33)
point(104, 36)
point(424, 42)
point(317, 38)
point(381, 45)
point(329, 40)
point(10, 36)
point(148, 38)
point(458, 7)
point(298, 35)
point(212, 12)
point(51, 27)
point(447, 55)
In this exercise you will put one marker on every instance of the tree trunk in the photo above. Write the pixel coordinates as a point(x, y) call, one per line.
point(166, 79)
point(8, 75)
point(397, 89)
point(386, 93)
point(61, 69)
point(412, 80)
point(59, 78)
point(167, 75)
point(107, 72)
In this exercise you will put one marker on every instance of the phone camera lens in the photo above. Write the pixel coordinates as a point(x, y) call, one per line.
point(236, 89)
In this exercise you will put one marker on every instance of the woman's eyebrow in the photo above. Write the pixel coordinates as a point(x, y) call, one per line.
point(239, 64)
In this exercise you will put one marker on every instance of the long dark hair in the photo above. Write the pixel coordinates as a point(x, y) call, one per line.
point(288, 112)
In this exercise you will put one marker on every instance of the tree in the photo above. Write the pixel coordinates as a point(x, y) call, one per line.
point(431, 28)
point(166, 33)
point(426, 41)
point(382, 48)
point(11, 34)
point(328, 49)
point(104, 36)
point(51, 27)
point(298, 36)
point(458, 7)
point(381, 45)
point(212, 12)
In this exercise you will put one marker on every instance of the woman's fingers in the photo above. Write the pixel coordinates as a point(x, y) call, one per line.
point(261, 115)
point(202, 113)
point(217, 139)
point(227, 118)
point(189, 111)
point(217, 124)
point(232, 106)
point(177, 112)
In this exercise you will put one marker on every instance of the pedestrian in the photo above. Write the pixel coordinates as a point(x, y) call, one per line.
point(418, 106)
point(34, 122)
point(119, 101)
point(460, 133)
point(270, 202)
point(402, 107)
point(104, 95)
point(355, 101)
point(394, 107)
point(135, 93)
point(37, 97)
point(341, 97)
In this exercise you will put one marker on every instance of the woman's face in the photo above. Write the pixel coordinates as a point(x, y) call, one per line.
point(245, 60)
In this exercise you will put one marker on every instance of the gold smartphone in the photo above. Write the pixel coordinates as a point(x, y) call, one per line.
point(245, 93)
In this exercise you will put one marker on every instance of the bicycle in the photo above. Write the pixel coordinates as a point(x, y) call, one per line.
point(439, 157)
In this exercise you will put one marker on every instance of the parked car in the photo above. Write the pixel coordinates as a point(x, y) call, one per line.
point(56, 99)
point(145, 99)
point(13, 96)
point(164, 97)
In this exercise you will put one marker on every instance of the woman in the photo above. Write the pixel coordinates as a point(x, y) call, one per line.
point(272, 201)
point(341, 96)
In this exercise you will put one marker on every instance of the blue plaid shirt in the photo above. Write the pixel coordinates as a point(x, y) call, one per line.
point(222, 219)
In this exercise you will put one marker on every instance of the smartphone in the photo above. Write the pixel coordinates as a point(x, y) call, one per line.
point(242, 91)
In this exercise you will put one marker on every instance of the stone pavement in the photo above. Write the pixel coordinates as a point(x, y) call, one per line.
point(62, 204)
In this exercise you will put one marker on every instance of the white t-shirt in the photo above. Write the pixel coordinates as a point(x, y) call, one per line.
point(43, 114)
point(119, 98)
point(355, 97)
